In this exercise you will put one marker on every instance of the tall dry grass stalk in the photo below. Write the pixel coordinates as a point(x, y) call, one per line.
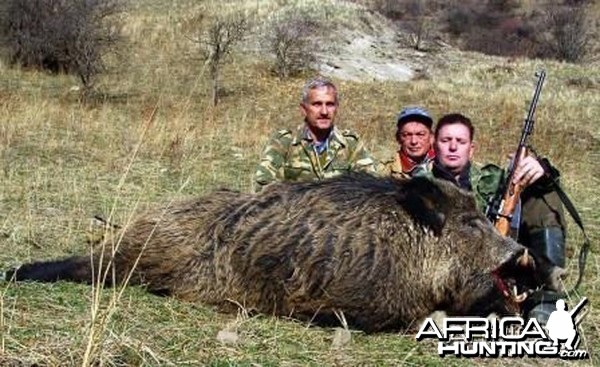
point(3, 332)
point(99, 320)
point(101, 313)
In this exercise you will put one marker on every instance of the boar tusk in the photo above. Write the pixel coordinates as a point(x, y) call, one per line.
point(521, 297)
point(526, 260)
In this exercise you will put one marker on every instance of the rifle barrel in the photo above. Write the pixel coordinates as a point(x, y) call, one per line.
point(532, 107)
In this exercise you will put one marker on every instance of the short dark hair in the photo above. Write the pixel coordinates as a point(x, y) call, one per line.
point(455, 118)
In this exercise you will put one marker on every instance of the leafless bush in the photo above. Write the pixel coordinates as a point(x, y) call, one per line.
point(69, 36)
point(417, 18)
point(570, 34)
point(417, 23)
point(217, 37)
point(289, 37)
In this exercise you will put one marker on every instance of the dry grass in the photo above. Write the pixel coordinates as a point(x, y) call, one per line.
point(64, 161)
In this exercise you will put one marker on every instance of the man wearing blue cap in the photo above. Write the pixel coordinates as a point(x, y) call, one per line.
point(415, 137)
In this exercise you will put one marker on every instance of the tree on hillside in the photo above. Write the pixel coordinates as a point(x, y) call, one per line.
point(417, 22)
point(412, 16)
point(217, 37)
point(289, 37)
point(61, 36)
point(569, 33)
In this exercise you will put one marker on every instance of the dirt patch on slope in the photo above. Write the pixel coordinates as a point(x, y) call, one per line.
point(378, 56)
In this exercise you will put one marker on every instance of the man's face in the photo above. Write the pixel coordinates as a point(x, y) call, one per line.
point(453, 147)
point(320, 109)
point(415, 140)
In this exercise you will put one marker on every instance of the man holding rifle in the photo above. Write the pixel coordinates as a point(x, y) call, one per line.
point(542, 223)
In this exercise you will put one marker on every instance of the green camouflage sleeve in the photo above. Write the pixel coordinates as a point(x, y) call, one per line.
point(363, 160)
point(489, 180)
point(486, 180)
point(270, 167)
point(360, 159)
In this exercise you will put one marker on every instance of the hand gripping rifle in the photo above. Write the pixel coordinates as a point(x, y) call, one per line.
point(502, 206)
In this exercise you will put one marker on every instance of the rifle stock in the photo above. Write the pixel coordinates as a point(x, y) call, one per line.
point(501, 208)
point(510, 199)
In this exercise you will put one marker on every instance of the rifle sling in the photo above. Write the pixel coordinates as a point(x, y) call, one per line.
point(583, 252)
point(585, 247)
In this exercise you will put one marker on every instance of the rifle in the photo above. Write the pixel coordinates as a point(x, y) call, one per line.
point(502, 206)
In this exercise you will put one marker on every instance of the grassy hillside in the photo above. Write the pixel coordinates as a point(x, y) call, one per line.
point(64, 161)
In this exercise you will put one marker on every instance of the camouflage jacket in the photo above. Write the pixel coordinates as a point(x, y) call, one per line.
point(484, 180)
point(393, 166)
point(291, 156)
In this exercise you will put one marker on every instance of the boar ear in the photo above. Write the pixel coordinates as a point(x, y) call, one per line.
point(425, 202)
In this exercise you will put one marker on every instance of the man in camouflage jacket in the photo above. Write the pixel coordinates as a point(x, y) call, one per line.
point(542, 226)
point(542, 223)
point(317, 149)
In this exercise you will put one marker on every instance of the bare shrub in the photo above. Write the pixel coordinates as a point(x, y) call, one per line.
point(569, 33)
point(417, 23)
point(217, 35)
point(69, 36)
point(290, 38)
point(417, 19)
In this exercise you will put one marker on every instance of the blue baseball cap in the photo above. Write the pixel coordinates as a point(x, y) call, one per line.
point(414, 114)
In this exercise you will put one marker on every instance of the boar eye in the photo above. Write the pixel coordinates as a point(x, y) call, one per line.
point(472, 222)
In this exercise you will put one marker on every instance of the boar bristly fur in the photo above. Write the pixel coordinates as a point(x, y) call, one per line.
point(384, 252)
